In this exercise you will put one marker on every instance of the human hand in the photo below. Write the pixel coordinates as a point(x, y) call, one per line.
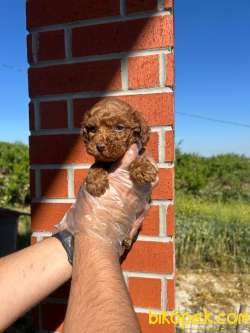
point(115, 216)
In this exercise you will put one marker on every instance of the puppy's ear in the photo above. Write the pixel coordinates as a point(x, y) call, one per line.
point(141, 130)
point(83, 131)
point(84, 134)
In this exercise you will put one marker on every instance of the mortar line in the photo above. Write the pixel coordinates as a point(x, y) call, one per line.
point(162, 145)
point(101, 57)
point(160, 5)
point(68, 43)
point(163, 210)
point(123, 8)
point(99, 21)
point(124, 73)
point(70, 180)
point(90, 94)
point(36, 114)
point(34, 44)
point(162, 74)
point(160, 239)
point(46, 200)
point(146, 310)
point(70, 114)
point(163, 294)
point(72, 130)
point(125, 278)
point(149, 275)
point(39, 234)
point(78, 166)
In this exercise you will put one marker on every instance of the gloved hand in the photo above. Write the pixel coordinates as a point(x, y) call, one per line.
point(116, 215)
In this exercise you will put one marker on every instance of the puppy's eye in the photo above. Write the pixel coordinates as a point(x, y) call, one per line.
point(119, 127)
point(92, 129)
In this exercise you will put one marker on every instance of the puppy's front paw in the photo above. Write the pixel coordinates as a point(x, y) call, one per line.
point(97, 182)
point(142, 171)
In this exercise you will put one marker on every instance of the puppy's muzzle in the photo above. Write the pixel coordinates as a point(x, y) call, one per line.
point(100, 147)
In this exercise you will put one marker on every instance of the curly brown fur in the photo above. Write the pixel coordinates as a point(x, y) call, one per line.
point(108, 129)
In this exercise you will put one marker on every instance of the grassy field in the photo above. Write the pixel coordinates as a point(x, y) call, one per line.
point(212, 235)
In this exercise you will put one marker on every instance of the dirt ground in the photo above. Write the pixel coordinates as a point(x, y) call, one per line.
point(214, 291)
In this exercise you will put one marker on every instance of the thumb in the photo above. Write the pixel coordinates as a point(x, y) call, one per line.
point(129, 156)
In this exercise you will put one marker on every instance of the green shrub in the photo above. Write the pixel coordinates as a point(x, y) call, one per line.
point(218, 178)
point(14, 174)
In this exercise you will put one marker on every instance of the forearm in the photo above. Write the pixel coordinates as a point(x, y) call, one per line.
point(99, 300)
point(29, 275)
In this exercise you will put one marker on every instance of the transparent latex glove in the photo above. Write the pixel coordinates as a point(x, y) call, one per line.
point(116, 216)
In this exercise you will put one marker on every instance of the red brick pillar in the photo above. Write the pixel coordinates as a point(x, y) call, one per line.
point(80, 51)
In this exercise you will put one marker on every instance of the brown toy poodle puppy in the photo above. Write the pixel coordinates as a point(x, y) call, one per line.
point(108, 129)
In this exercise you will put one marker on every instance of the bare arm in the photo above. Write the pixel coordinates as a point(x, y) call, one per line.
point(29, 275)
point(99, 300)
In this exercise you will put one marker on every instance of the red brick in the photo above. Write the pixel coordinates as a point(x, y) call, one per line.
point(52, 316)
point(168, 4)
point(150, 225)
point(145, 292)
point(53, 114)
point(143, 72)
point(82, 105)
point(134, 6)
point(56, 149)
point(88, 76)
point(170, 30)
point(170, 69)
point(170, 114)
point(140, 34)
point(50, 45)
point(170, 220)
point(157, 328)
point(32, 183)
point(46, 215)
point(150, 257)
point(165, 188)
point(54, 183)
point(169, 146)
point(31, 116)
point(46, 12)
point(170, 294)
point(152, 146)
point(157, 109)
point(79, 177)
point(29, 49)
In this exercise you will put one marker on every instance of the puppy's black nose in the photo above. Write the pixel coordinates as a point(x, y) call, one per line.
point(100, 147)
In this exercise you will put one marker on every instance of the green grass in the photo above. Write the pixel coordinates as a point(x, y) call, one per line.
point(212, 235)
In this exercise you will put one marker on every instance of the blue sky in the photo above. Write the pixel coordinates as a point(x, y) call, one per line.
point(212, 74)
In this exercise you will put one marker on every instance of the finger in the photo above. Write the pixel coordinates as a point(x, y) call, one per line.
point(129, 156)
point(138, 222)
point(136, 226)
point(156, 182)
